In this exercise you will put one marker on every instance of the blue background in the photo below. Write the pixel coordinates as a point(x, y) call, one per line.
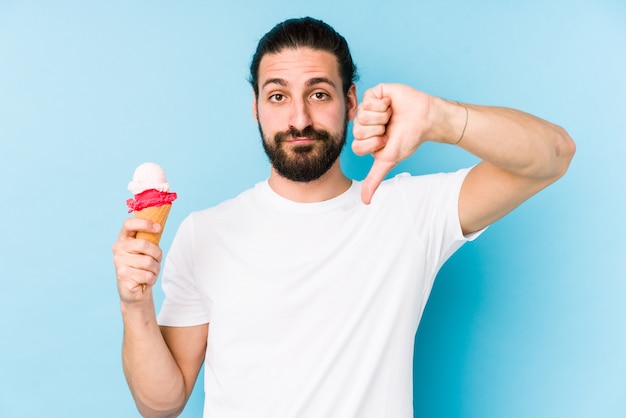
point(528, 321)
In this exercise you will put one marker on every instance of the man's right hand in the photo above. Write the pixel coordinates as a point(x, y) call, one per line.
point(137, 261)
point(161, 364)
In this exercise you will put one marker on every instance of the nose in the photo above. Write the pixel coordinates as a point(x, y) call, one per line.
point(300, 117)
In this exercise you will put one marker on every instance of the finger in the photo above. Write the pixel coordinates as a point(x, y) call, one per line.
point(373, 117)
point(360, 131)
point(127, 263)
point(125, 251)
point(375, 176)
point(376, 92)
point(375, 104)
point(363, 146)
point(131, 226)
point(149, 261)
point(134, 289)
point(134, 269)
point(129, 274)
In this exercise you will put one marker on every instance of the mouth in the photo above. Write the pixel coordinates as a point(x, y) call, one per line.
point(300, 140)
point(306, 137)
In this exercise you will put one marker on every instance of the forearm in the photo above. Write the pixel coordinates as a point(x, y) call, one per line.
point(153, 376)
point(517, 142)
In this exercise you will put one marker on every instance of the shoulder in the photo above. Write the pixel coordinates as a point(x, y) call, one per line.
point(240, 201)
point(428, 180)
point(228, 212)
point(425, 185)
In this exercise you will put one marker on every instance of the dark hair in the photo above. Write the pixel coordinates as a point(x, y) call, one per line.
point(308, 33)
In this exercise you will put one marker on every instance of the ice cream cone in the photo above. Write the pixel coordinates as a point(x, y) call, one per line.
point(157, 214)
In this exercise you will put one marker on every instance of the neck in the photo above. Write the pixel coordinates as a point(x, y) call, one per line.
point(330, 185)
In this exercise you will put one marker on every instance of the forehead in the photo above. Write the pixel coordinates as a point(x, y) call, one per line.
point(295, 66)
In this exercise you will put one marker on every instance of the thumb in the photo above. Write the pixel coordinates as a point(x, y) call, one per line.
point(375, 176)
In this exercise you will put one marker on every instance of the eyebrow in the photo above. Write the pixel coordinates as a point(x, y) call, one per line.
point(312, 82)
point(320, 80)
point(278, 81)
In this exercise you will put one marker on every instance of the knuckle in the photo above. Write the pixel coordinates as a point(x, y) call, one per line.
point(118, 246)
point(144, 276)
point(357, 148)
point(144, 262)
point(357, 131)
point(127, 225)
point(123, 271)
point(142, 246)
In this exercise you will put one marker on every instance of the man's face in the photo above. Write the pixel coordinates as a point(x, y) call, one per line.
point(302, 112)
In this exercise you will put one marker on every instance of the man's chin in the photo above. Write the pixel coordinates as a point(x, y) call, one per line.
point(302, 148)
point(301, 179)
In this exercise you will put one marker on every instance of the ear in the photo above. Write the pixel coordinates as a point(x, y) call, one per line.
point(255, 109)
point(352, 102)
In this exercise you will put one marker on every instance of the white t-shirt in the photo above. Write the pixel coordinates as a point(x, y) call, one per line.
point(313, 308)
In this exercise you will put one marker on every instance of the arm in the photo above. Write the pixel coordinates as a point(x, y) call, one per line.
point(521, 154)
point(161, 364)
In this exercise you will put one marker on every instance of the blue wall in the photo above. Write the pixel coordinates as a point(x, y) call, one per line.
point(528, 321)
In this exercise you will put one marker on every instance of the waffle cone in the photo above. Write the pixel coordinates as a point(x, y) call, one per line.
point(157, 214)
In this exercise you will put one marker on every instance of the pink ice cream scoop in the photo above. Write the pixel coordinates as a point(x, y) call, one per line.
point(153, 199)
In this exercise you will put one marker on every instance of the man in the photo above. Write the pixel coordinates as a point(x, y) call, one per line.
point(314, 284)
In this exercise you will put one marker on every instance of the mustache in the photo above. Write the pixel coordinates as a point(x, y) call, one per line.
point(308, 132)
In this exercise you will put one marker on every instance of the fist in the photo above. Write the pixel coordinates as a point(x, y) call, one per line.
point(390, 124)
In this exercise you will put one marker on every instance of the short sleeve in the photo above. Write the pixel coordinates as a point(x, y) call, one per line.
point(434, 204)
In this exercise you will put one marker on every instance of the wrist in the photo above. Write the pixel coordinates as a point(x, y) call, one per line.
point(141, 311)
point(464, 125)
point(449, 121)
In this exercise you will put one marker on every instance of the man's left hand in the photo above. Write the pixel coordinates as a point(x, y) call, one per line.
point(392, 121)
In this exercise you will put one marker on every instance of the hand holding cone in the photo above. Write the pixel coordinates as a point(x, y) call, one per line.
point(153, 199)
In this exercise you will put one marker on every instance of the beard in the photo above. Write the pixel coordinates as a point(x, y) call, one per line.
point(304, 163)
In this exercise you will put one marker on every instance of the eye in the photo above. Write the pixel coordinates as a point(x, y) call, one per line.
point(277, 98)
point(320, 95)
